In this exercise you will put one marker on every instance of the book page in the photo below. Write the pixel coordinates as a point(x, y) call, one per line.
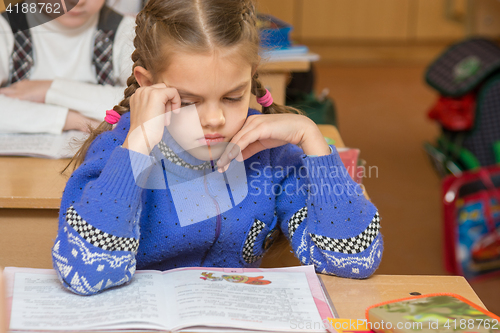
point(40, 145)
point(270, 301)
point(40, 302)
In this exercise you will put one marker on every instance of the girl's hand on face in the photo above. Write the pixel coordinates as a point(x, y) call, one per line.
point(150, 112)
point(28, 90)
point(260, 132)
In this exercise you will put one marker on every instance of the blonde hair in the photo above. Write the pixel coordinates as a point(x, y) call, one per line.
point(200, 26)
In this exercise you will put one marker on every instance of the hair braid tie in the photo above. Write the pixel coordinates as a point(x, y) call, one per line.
point(112, 117)
point(266, 100)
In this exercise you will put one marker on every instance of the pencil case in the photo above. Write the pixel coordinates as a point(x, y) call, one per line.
point(443, 313)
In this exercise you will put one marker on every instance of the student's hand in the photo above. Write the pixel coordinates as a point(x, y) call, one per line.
point(28, 90)
point(149, 114)
point(260, 132)
point(77, 121)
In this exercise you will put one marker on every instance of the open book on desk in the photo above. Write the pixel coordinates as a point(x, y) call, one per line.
point(40, 144)
point(198, 299)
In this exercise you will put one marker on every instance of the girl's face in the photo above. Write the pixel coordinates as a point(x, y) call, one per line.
point(215, 91)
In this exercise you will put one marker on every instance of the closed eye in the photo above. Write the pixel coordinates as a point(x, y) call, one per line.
point(183, 104)
point(233, 99)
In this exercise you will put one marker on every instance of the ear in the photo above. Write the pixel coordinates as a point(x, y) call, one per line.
point(143, 76)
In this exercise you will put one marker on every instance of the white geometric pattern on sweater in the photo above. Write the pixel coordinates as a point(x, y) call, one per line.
point(64, 269)
point(59, 257)
point(350, 245)
point(89, 257)
point(98, 237)
point(296, 220)
point(365, 261)
point(56, 246)
point(255, 230)
point(174, 158)
point(303, 248)
point(80, 284)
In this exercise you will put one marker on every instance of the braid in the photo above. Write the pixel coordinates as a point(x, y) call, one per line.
point(259, 91)
point(122, 108)
point(248, 13)
point(132, 86)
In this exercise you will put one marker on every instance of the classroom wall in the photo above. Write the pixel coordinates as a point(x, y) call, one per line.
point(384, 30)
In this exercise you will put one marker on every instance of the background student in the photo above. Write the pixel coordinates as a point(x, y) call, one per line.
point(63, 74)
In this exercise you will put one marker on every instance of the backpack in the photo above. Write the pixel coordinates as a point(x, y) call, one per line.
point(471, 212)
point(467, 76)
point(300, 94)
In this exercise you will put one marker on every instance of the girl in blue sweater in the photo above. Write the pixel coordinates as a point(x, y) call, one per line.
point(222, 180)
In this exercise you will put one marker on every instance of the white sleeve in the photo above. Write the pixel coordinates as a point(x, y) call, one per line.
point(20, 116)
point(92, 100)
point(6, 46)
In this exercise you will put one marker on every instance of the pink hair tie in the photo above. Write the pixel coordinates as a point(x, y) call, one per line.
point(265, 100)
point(112, 117)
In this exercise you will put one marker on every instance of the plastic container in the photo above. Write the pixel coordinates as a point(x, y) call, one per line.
point(274, 33)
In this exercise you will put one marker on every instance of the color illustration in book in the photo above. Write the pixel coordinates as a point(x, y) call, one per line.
point(257, 280)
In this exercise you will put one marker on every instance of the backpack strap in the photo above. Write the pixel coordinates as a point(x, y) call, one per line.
point(109, 20)
point(21, 59)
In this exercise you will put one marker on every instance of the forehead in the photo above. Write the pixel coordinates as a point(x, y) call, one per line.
point(207, 74)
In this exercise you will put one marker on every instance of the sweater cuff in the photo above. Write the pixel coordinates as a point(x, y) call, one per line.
point(122, 173)
point(329, 180)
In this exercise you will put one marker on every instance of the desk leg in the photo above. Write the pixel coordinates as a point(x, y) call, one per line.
point(27, 237)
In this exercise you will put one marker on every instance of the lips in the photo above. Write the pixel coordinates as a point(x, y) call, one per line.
point(211, 139)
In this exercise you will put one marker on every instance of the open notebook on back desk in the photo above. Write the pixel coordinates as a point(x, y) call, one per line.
point(44, 145)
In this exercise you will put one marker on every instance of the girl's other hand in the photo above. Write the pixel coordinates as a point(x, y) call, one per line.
point(260, 132)
point(150, 108)
point(28, 90)
point(77, 121)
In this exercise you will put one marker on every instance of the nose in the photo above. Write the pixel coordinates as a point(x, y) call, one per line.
point(212, 117)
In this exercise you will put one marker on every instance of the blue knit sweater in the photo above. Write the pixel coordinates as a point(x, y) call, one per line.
point(122, 210)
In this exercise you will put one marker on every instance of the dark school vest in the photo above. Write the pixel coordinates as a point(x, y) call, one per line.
point(21, 60)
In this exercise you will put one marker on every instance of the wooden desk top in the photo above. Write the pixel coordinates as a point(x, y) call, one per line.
point(285, 66)
point(351, 297)
point(27, 182)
